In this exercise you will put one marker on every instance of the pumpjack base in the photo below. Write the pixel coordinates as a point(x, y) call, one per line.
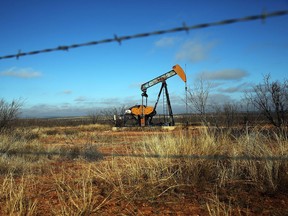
point(138, 128)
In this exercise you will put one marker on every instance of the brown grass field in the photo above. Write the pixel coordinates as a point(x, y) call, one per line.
point(92, 170)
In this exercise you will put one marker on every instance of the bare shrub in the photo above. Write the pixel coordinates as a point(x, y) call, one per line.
point(113, 115)
point(8, 112)
point(52, 132)
point(271, 99)
point(198, 98)
point(94, 116)
point(225, 114)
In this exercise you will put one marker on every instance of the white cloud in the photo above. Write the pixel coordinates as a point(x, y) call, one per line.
point(238, 88)
point(59, 110)
point(80, 99)
point(165, 42)
point(21, 73)
point(226, 74)
point(67, 92)
point(109, 101)
point(215, 99)
point(194, 50)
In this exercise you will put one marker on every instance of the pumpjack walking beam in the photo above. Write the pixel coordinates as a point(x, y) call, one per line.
point(176, 69)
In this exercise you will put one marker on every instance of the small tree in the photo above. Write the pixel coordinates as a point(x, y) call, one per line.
point(197, 98)
point(8, 112)
point(230, 111)
point(94, 116)
point(225, 114)
point(114, 115)
point(271, 99)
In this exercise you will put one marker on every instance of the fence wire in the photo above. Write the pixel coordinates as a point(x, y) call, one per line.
point(119, 40)
point(207, 157)
point(99, 156)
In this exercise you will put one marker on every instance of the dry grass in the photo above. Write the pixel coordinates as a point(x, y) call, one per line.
point(148, 178)
point(151, 171)
point(14, 196)
point(19, 154)
point(77, 193)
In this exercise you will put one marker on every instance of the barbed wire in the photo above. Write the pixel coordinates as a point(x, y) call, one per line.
point(216, 157)
point(119, 40)
point(100, 156)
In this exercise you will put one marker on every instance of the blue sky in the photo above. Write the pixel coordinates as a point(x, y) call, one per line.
point(231, 57)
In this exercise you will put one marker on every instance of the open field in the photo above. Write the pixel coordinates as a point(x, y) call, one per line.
point(92, 170)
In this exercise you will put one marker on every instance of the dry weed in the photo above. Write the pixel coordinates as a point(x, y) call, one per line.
point(14, 200)
point(78, 193)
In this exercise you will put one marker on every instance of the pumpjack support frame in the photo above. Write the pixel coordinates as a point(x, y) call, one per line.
point(170, 112)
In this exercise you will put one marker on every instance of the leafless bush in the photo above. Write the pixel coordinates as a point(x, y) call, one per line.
point(114, 115)
point(271, 99)
point(197, 98)
point(94, 116)
point(226, 114)
point(8, 112)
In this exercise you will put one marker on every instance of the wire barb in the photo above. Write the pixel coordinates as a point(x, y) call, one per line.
point(117, 39)
point(184, 27)
point(264, 16)
point(18, 54)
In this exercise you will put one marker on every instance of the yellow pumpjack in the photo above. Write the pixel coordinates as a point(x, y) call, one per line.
point(143, 113)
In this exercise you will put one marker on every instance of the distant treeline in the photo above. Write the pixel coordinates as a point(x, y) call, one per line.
point(212, 119)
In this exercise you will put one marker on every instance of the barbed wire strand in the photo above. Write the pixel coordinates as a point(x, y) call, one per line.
point(99, 155)
point(184, 27)
point(207, 157)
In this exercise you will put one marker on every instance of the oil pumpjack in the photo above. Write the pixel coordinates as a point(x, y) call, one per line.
point(144, 114)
